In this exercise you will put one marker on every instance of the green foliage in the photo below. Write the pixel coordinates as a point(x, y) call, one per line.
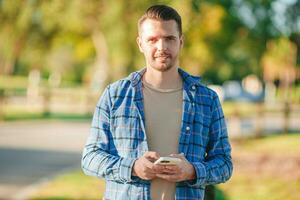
point(246, 187)
point(74, 185)
point(223, 39)
point(16, 82)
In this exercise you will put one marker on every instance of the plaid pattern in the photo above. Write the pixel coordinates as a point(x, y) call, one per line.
point(118, 138)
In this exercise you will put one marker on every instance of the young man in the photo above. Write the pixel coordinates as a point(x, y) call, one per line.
point(158, 111)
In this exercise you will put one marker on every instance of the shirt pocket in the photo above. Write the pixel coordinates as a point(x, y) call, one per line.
point(126, 131)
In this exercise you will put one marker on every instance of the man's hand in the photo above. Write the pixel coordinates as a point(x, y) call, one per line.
point(144, 167)
point(176, 173)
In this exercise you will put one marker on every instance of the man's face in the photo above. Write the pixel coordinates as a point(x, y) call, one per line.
point(160, 43)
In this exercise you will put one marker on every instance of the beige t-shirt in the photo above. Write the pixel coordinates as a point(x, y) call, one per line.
point(163, 112)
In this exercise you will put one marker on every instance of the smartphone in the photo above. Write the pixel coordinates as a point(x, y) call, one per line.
point(167, 161)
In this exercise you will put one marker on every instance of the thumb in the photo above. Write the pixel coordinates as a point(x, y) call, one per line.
point(151, 155)
point(181, 156)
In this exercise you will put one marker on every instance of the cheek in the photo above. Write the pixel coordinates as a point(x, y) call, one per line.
point(148, 55)
point(175, 50)
point(149, 52)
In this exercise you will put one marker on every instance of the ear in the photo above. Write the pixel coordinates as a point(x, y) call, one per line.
point(181, 40)
point(139, 43)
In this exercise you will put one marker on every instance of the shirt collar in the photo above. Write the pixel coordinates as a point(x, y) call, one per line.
point(188, 80)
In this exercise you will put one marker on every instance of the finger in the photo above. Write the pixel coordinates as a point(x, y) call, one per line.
point(150, 173)
point(172, 167)
point(175, 170)
point(150, 176)
point(148, 164)
point(152, 155)
point(167, 171)
point(158, 168)
point(152, 167)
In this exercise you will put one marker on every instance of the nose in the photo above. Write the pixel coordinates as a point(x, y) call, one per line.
point(161, 45)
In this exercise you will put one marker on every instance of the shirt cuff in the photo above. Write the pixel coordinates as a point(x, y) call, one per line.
point(126, 167)
point(200, 175)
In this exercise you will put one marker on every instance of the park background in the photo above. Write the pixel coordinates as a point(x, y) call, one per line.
point(57, 56)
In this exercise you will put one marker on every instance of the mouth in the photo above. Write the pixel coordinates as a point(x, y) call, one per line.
point(162, 57)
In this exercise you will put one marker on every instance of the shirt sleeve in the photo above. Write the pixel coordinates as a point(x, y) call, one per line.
point(217, 166)
point(97, 159)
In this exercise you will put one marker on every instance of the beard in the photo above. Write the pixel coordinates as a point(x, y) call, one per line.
point(162, 67)
point(163, 62)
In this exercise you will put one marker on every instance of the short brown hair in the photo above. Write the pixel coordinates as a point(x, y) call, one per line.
point(161, 12)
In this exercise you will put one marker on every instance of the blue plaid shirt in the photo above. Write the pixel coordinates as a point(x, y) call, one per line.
point(118, 138)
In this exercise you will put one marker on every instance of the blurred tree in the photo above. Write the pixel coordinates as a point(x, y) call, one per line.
point(93, 41)
point(236, 49)
point(15, 27)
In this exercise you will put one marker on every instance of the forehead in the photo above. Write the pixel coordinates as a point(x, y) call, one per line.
point(152, 27)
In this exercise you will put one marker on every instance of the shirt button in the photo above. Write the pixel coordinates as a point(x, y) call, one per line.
point(187, 128)
point(193, 87)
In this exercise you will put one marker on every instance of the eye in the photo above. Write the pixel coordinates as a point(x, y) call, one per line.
point(151, 40)
point(170, 38)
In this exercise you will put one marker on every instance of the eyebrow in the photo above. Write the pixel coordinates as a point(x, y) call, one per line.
point(166, 37)
point(170, 37)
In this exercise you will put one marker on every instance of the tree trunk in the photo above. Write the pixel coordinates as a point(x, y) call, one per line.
point(286, 117)
point(101, 71)
point(1, 104)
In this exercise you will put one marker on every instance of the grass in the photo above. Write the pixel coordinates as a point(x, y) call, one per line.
point(252, 187)
point(273, 144)
point(74, 185)
point(242, 185)
point(14, 116)
point(264, 181)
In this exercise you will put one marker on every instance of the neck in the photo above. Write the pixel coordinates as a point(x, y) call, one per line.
point(164, 80)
